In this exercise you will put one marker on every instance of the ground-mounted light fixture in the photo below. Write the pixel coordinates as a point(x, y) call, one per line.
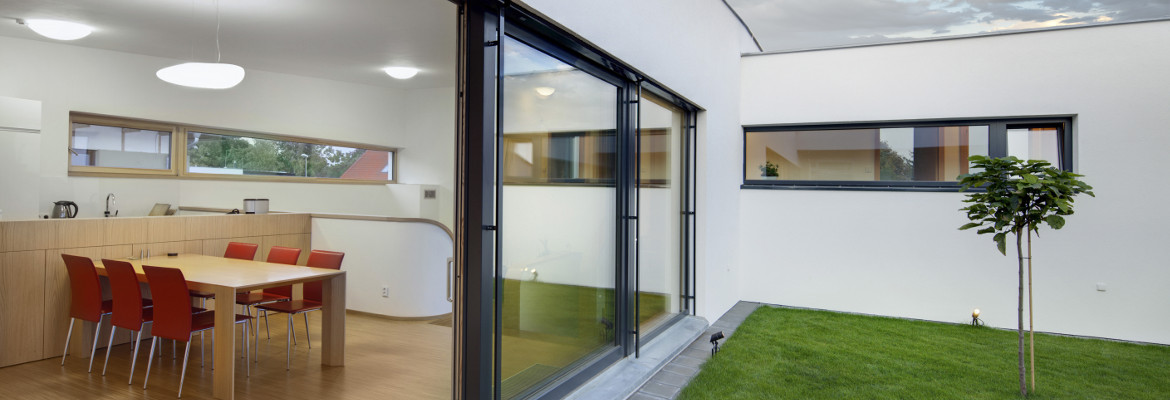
point(216, 75)
point(59, 30)
point(975, 321)
point(401, 72)
point(545, 91)
point(715, 341)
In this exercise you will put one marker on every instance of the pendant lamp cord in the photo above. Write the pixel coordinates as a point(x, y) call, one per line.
point(218, 55)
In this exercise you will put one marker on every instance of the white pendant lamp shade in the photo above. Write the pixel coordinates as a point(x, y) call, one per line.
point(203, 75)
point(401, 72)
point(60, 30)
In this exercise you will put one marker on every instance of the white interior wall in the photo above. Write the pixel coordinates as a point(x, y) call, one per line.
point(692, 47)
point(68, 78)
point(409, 260)
point(900, 253)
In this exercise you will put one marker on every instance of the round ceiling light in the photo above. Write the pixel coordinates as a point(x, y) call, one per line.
point(401, 72)
point(60, 30)
point(203, 75)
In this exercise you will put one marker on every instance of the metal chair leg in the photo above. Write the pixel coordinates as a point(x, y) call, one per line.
point(109, 346)
point(183, 375)
point(288, 345)
point(96, 333)
point(266, 325)
point(174, 350)
point(134, 358)
point(68, 336)
point(290, 325)
point(149, 361)
point(247, 349)
point(307, 339)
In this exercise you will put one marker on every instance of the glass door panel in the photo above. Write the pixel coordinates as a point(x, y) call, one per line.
point(557, 218)
point(659, 211)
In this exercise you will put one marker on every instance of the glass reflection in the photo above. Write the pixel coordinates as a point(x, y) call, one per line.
point(557, 223)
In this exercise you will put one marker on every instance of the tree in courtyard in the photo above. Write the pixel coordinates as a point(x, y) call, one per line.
point(1019, 196)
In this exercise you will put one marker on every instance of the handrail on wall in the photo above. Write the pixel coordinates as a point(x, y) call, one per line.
point(355, 217)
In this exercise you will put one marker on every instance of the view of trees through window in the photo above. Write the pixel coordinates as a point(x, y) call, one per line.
point(211, 153)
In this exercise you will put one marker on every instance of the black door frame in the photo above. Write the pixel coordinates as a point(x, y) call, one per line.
point(481, 31)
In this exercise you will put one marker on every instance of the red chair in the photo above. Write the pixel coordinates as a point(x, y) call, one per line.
point(276, 255)
point(237, 250)
point(130, 312)
point(311, 302)
point(242, 251)
point(174, 317)
point(86, 300)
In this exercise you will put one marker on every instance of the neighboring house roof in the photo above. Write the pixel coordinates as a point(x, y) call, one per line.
point(370, 165)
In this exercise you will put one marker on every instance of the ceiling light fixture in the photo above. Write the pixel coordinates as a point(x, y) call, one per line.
point(54, 29)
point(545, 91)
point(217, 75)
point(401, 72)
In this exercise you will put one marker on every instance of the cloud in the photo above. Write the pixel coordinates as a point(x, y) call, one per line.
point(797, 24)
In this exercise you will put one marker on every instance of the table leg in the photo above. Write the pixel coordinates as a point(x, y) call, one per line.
point(333, 321)
point(224, 378)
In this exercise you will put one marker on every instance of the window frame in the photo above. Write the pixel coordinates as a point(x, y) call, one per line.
point(105, 120)
point(178, 154)
point(996, 147)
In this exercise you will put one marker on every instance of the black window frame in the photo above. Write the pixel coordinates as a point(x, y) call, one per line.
point(996, 147)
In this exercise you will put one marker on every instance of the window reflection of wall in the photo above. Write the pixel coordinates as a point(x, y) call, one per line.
point(885, 154)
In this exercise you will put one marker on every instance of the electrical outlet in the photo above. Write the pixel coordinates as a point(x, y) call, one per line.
point(385, 291)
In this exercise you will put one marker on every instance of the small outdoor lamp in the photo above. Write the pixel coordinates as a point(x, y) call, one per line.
point(715, 341)
point(975, 318)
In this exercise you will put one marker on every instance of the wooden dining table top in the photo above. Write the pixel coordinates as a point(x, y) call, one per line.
point(241, 275)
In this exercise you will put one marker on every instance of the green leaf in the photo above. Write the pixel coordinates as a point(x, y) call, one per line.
point(1000, 243)
point(968, 226)
point(1055, 221)
point(1030, 178)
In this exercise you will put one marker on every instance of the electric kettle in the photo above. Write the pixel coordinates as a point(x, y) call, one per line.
point(61, 209)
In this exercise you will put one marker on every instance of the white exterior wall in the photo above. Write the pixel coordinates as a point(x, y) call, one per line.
point(900, 253)
point(692, 47)
point(68, 78)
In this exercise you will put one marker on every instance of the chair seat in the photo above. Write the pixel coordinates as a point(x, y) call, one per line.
point(291, 306)
point(201, 294)
point(252, 298)
point(206, 320)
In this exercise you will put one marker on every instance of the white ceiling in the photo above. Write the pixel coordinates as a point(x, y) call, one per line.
point(344, 40)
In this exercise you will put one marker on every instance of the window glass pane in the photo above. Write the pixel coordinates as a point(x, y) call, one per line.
point(659, 208)
point(214, 153)
point(557, 242)
point(880, 154)
point(118, 147)
point(1035, 143)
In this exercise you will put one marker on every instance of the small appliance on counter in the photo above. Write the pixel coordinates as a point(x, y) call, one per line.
point(255, 206)
point(61, 209)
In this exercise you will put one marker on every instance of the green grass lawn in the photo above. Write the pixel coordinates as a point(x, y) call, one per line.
point(780, 353)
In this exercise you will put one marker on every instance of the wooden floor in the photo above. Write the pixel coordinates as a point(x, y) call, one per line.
point(383, 359)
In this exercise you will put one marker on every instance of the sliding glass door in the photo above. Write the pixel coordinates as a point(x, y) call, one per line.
point(557, 218)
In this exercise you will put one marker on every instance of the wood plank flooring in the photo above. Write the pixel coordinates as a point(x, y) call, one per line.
point(384, 359)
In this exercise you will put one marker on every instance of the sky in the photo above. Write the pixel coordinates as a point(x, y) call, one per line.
point(781, 25)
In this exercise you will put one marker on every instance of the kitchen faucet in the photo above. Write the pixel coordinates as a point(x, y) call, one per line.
point(110, 201)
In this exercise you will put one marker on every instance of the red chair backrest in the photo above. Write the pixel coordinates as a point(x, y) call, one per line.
point(84, 288)
point(172, 303)
point(321, 259)
point(282, 255)
point(127, 294)
point(242, 251)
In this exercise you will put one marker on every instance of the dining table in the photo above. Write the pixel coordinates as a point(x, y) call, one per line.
point(227, 276)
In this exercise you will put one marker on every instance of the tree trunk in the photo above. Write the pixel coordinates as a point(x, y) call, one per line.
point(1031, 328)
point(1020, 325)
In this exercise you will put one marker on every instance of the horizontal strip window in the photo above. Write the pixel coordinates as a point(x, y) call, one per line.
point(895, 156)
point(580, 158)
point(117, 146)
